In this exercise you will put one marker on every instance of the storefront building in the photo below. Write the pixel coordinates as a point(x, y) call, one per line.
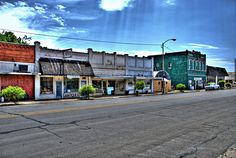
point(117, 74)
point(215, 74)
point(60, 73)
point(186, 67)
point(17, 67)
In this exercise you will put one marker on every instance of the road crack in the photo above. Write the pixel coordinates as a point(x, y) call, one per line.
point(200, 144)
point(47, 130)
point(43, 124)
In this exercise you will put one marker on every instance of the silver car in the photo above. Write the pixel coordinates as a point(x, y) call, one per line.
point(212, 86)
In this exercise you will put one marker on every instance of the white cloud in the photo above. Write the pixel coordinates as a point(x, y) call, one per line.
point(60, 20)
point(219, 62)
point(14, 17)
point(40, 8)
point(115, 5)
point(67, 1)
point(202, 46)
point(60, 8)
point(81, 17)
point(81, 31)
point(20, 13)
point(168, 2)
point(21, 4)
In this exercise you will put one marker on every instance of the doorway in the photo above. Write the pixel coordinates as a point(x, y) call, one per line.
point(59, 89)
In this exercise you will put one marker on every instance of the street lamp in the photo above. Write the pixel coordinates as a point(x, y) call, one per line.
point(163, 65)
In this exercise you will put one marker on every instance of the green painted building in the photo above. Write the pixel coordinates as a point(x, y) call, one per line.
point(187, 67)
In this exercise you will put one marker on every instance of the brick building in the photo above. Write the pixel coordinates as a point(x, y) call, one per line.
point(17, 67)
point(187, 67)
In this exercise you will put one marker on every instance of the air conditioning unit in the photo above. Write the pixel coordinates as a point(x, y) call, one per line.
point(23, 68)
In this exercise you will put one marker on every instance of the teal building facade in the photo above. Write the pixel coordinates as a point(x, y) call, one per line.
point(187, 67)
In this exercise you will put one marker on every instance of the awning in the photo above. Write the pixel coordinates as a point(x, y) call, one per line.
point(65, 67)
point(114, 77)
point(124, 77)
point(216, 71)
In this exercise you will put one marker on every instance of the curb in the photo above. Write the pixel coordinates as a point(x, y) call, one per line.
point(92, 98)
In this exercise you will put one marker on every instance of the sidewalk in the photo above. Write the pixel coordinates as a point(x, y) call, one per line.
point(91, 98)
point(230, 153)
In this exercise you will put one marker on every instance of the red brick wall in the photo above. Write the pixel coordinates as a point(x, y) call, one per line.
point(24, 81)
point(16, 52)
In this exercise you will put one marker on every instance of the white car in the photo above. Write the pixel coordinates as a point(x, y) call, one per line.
point(234, 84)
point(212, 86)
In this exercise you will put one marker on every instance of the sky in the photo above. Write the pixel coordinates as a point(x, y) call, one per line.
point(208, 26)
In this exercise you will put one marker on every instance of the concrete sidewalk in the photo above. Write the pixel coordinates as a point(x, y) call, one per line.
point(230, 153)
point(92, 98)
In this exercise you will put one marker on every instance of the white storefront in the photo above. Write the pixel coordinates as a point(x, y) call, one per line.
point(60, 73)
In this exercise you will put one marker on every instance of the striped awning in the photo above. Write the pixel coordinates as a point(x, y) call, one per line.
point(49, 66)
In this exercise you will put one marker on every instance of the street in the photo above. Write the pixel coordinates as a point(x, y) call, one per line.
point(186, 125)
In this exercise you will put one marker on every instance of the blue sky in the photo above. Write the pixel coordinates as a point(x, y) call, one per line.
point(202, 25)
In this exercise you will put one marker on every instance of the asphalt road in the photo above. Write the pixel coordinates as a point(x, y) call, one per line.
point(188, 125)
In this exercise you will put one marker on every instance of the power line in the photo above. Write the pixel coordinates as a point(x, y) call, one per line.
point(169, 48)
point(84, 39)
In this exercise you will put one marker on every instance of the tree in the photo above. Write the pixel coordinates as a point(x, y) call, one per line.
point(139, 85)
point(7, 36)
point(86, 90)
point(13, 93)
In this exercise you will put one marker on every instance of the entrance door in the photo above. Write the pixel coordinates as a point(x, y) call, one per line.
point(59, 89)
point(111, 85)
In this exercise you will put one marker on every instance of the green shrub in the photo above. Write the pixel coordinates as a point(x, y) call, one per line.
point(211, 83)
point(221, 83)
point(180, 86)
point(86, 90)
point(13, 93)
point(140, 85)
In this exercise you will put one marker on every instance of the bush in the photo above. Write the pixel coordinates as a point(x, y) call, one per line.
point(86, 90)
point(13, 93)
point(180, 86)
point(228, 85)
point(140, 85)
point(211, 83)
point(221, 83)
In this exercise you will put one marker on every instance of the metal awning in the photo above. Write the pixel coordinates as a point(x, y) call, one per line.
point(125, 77)
point(59, 67)
point(114, 77)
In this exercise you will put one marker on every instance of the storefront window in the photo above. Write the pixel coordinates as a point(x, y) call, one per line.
point(97, 84)
point(148, 84)
point(71, 85)
point(120, 85)
point(83, 82)
point(46, 85)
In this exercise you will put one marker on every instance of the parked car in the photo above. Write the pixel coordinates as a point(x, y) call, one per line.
point(212, 86)
point(234, 84)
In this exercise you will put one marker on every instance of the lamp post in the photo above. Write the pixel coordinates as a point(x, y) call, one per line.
point(163, 65)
